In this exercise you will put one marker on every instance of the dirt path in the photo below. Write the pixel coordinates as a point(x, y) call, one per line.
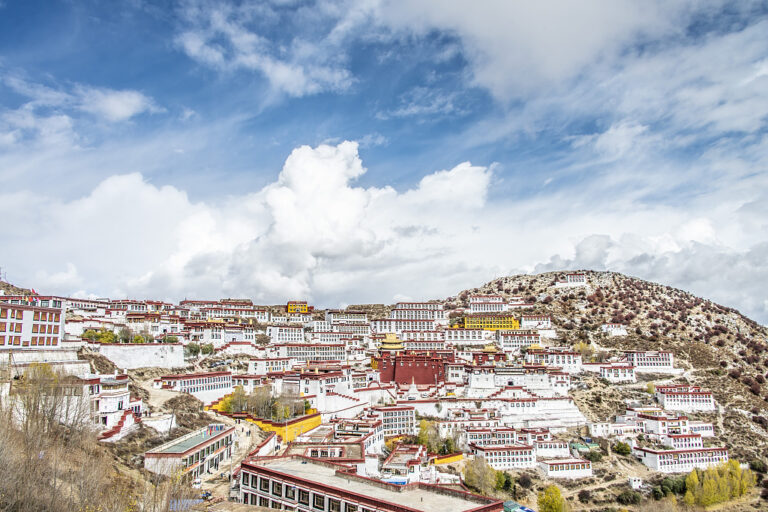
point(217, 486)
point(157, 397)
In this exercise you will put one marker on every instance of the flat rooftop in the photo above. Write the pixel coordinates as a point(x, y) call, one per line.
point(186, 443)
point(415, 498)
point(351, 450)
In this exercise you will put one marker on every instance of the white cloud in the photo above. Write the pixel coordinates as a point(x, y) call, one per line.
point(114, 105)
point(229, 37)
point(516, 48)
point(424, 101)
point(314, 234)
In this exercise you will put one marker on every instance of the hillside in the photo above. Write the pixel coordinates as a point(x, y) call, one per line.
point(9, 289)
point(721, 349)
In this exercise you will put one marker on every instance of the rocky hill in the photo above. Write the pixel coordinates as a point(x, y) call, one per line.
point(720, 348)
point(9, 289)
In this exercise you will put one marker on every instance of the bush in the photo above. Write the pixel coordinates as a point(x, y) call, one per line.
point(525, 481)
point(207, 348)
point(593, 456)
point(758, 465)
point(657, 492)
point(675, 485)
point(629, 498)
point(622, 448)
point(585, 496)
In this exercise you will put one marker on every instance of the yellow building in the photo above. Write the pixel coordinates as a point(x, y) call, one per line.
point(491, 322)
point(391, 343)
point(291, 429)
point(297, 307)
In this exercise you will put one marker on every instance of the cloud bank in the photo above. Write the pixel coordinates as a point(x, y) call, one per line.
point(313, 233)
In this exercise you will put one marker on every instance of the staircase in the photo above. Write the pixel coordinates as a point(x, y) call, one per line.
point(119, 425)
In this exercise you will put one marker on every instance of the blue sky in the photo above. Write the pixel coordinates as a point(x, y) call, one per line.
point(198, 149)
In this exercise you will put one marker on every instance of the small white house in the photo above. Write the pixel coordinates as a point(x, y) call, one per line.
point(617, 373)
point(566, 468)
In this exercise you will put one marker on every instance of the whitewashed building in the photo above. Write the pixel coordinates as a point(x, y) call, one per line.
point(651, 361)
point(285, 334)
point(685, 398)
point(681, 461)
point(618, 373)
point(506, 457)
point(566, 468)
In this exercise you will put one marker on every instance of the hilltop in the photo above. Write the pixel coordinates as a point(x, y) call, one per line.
point(10, 289)
point(720, 348)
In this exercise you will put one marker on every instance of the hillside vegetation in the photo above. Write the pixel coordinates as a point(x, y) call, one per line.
point(720, 348)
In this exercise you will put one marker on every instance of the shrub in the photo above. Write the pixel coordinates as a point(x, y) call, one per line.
point(657, 492)
point(594, 456)
point(629, 498)
point(622, 448)
point(675, 485)
point(758, 465)
point(585, 496)
point(525, 481)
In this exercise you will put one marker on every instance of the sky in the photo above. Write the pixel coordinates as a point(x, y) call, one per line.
point(376, 150)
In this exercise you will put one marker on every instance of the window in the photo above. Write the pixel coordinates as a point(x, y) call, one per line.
point(334, 505)
point(264, 484)
point(303, 497)
point(351, 508)
point(290, 492)
point(318, 501)
point(263, 502)
point(277, 489)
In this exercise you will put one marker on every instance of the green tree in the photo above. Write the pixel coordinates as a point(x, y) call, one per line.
point(207, 349)
point(105, 336)
point(139, 339)
point(509, 482)
point(688, 499)
point(193, 349)
point(650, 388)
point(499, 480)
point(622, 448)
point(124, 335)
point(551, 500)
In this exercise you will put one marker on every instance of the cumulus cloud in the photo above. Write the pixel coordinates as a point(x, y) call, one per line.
point(315, 233)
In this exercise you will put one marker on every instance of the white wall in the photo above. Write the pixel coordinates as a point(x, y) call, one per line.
point(129, 355)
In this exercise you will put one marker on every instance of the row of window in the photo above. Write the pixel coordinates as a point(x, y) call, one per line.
point(569, 466)
point(317, 501)
point(35, 340)
point(11, 327)
point(11, 313)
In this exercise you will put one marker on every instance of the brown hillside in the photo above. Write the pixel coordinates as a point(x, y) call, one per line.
point(721, 349)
